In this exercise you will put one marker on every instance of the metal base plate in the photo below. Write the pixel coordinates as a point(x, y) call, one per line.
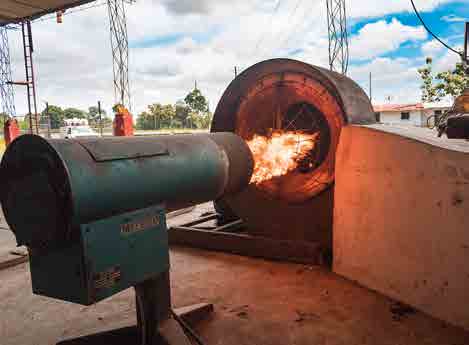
point(157, 323)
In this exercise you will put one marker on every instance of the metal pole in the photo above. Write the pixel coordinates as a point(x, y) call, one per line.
point(371, 91)
point(25, 47)
point(33, 84)
point(236, 71)
point(100, 119)
point(48, 120)
point(466, 39)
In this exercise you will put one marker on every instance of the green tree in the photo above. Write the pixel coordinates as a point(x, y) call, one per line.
point(169, 114)
point(162, 115)
point(56, 116)
point(199, 112)
point(93, 115)
point(449, 83)
point(24, 124)
point(155, 112)
point(71, 113)
point(196, 101)
point(181, 114)
point(201, 120)
point(145, 121)
point(3, 118)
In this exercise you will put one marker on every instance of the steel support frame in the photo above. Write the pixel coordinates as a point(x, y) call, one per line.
point(6, 88)
point(227, 238)
point(120, 51)
point(338, 36)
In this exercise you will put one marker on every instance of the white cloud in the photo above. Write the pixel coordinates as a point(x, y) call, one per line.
point(451, 18)
point(396, 78)
point(380, 37)
point(374, 8)
point(73, 59)
point(447, 62)
point(431, 48)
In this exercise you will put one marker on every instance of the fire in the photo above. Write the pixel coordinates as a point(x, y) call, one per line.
point(279, 154)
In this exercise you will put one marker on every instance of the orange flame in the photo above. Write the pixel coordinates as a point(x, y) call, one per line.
point(279, 154)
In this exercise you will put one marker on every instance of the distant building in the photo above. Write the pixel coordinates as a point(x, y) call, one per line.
point(75, 122)
point(415, 114)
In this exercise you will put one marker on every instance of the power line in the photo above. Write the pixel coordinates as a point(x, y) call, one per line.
point(430, 32)
point(263, 35)
point(298, 27)
point(295, 9)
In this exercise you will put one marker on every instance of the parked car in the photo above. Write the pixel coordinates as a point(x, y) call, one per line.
point(71, 132)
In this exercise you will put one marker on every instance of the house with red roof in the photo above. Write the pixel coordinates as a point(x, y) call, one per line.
point(414, 114)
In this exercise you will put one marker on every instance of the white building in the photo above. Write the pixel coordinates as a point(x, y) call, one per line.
point(416, 114)
point(75, 122)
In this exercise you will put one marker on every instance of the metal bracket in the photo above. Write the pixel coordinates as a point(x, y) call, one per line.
point(157, 323)
point(226, 239)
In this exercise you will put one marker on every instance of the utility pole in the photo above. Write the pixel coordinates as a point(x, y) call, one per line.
point(371, 91)
point(338, 36)
point(466, 43)
point(100, 119)
point(48, 121)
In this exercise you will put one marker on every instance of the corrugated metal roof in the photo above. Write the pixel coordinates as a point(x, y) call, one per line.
point(398, 107)
point(411, 106)
point(14, 11)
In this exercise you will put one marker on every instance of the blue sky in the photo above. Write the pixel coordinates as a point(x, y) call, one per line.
point(446, 20)
point(175, 42)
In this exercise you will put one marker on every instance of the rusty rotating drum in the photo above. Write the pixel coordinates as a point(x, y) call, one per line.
point(288, 95)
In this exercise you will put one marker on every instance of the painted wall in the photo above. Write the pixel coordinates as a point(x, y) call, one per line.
point(391, 117)
point(401, 220)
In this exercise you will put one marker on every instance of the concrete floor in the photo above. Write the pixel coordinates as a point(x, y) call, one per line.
point(256, 302)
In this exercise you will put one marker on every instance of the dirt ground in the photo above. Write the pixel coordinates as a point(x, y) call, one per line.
point(257, 302)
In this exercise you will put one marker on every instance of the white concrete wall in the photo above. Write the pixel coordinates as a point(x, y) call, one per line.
point(401, 219)
point(391, 117)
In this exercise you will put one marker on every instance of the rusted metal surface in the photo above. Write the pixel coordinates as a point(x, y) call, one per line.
point(288, 95)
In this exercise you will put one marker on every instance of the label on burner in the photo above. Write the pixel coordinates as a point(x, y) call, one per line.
point(137, 226)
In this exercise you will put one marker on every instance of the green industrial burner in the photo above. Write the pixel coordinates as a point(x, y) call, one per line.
point(92, 214)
